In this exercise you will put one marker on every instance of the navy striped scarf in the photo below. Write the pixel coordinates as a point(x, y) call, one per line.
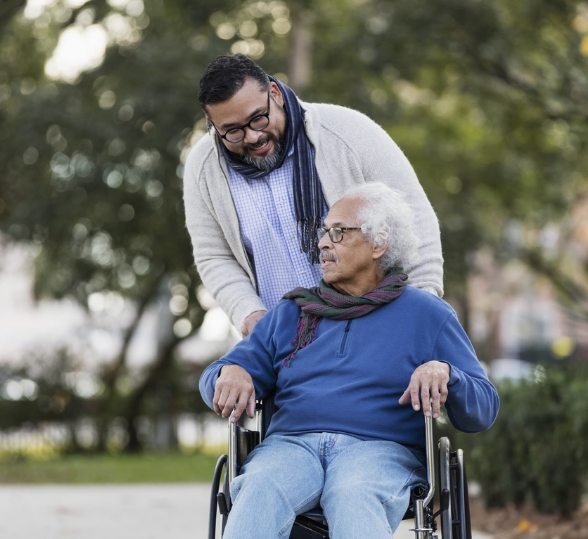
point(306, 186)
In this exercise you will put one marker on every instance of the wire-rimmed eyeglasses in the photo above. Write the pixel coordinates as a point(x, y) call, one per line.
point(335, 233)
point(258, 123)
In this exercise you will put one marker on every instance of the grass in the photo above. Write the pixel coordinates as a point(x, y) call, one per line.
point(76, 469)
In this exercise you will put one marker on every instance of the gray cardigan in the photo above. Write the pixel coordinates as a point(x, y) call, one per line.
point(350, 149)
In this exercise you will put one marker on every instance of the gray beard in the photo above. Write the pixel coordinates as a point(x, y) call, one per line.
point(267, 163)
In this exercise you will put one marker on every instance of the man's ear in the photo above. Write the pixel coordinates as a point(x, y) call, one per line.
point(378, 252)
point(277, 94)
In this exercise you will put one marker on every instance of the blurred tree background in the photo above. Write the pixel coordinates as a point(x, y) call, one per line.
point(487, 99)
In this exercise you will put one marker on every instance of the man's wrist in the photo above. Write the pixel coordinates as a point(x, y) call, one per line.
point(222, 367)
point(448, 368)
point(247, 305)
point(254, 312)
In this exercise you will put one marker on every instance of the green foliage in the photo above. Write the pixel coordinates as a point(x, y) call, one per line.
point(537, 451)
point(52, 399)
point(486, 98)
point(56, 399)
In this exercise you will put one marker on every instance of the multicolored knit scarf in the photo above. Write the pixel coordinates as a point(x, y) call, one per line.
point(323, 301)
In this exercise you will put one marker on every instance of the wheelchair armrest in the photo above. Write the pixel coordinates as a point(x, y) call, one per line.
point(241, 442)
point(430, 455)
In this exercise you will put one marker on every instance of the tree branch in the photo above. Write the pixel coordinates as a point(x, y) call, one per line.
point(574, 294)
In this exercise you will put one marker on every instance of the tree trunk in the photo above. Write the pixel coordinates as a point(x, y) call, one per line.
point(574, 295)
point(162, 363)
point(112, 374)
point(300, 51)
point(166, 343)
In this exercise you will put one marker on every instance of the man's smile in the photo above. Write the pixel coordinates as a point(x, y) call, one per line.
point(259, 149)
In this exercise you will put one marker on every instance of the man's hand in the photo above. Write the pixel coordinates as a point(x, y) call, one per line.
point(429, 381)
point(234, 387)
point(250, 321)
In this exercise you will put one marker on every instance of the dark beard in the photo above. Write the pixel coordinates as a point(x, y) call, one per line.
point(268, 163)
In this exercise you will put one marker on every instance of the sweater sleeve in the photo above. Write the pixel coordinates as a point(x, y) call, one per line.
point(382, 160)
point(472, 403)
point(256, 354)
point(217, 266)
point(348, 133)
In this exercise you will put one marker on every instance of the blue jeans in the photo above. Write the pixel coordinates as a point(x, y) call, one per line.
point(363, 487)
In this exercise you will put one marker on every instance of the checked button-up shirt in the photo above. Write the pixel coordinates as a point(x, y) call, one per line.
point(269, 232)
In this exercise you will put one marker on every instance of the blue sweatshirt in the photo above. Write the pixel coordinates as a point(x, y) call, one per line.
point(350, 378)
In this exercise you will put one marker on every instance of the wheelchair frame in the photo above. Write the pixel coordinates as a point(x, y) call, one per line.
point(454, 503)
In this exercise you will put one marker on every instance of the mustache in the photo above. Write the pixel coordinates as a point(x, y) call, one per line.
point(261, 142)
point(328, 255)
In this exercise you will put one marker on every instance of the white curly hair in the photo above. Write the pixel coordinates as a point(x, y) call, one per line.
point(387, 218)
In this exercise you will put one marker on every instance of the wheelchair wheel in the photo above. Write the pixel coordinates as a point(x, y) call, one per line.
point(455, 510)
point(445, 488)
point(464, 529)
point(220, 500)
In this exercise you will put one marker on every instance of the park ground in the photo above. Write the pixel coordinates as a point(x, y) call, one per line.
point(123, 511)
point(168, 495)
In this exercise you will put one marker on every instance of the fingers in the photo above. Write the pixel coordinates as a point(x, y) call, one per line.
point(251, 406)
point(233, 393)
point(231, 404)
point(414, 396)
point(428, 385)
point(245, 329)
point(224, 401)
point(232, 407)
point(434, 399)
point(241, 404)
point(405, 396)
point(426, 399)
point(411, 394)
point(250, 322)
point(248, 325)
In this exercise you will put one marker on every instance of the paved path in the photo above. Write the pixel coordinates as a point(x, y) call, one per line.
point(170, 511)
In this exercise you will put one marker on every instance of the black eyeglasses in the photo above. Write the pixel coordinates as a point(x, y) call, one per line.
point(259, 123)
point(335, 233)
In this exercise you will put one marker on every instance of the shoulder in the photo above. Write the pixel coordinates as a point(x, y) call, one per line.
point(279, 321)
point(329, 113)
point(341, 121)
point(201, 154)
point(285, 310)
point(427, 305)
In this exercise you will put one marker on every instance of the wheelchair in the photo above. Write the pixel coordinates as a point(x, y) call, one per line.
point(453, 492)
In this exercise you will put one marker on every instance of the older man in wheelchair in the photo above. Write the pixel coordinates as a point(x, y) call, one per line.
point(355, 366)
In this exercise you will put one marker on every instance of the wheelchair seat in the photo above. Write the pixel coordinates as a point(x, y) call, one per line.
point(454, 503)
point(316, 515)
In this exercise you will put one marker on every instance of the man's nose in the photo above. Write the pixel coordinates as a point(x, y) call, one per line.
point(251, 136)
point(325, 242)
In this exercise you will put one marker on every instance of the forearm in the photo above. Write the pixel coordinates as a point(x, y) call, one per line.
point(231, 288)
point(220, 260)
point(208, 381)
point(255, 354)
point(472, 403)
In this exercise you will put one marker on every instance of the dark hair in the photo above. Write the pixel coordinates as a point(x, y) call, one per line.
point(225, 76)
